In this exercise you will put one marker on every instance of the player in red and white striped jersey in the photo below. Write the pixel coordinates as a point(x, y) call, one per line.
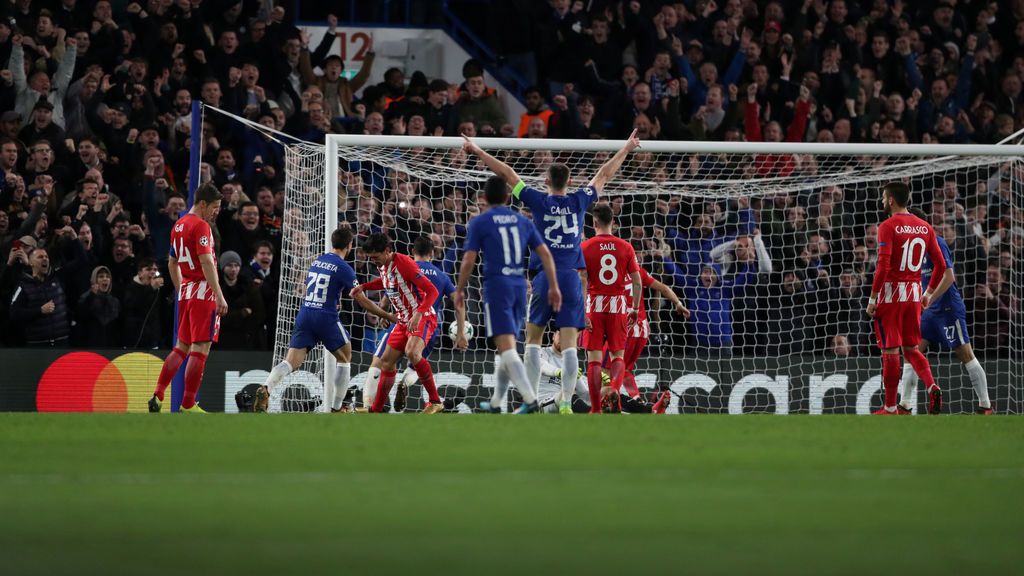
point(610, 261)
point(640, 332)
point(193, 269)
point(896, 299)
point(412, 297)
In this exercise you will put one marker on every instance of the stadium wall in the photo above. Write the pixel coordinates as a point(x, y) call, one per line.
point(120, 381)
point(429, 50)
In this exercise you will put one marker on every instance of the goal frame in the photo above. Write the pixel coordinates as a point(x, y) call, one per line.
point(334, 142)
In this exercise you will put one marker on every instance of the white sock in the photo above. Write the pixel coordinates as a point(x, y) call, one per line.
point(980, 382)
point(409, 376)
point(501, 382)
point(532, 362)
point(370, 386)
point(516, 371)
point(908, 396)
point(277, 373)
point(341, 378)
point(570, 373)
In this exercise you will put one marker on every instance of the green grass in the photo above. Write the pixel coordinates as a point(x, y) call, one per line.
point(121, 494)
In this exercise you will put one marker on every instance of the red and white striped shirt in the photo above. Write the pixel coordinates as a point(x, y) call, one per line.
point(407, 288)
point(642, 328)
point(900, 292)
point(190, 237)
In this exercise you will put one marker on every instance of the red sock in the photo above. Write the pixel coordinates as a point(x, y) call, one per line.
point(193, 378)
point(171, 365)
point(594, 386)
point(616, 370)
point(387, 380)
point(892, 371)
point(629, 383)
point(427, 380)
point(921, 366)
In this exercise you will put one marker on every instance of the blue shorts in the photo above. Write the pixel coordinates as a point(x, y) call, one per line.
point(947, 328)
point(572, 314)
point(504, 307)
point(379, 352)
point(314, 327)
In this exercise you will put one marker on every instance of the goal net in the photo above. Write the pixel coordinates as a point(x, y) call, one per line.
point(772, 248)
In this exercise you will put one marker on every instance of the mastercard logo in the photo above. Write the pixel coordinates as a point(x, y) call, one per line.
point(88, 382)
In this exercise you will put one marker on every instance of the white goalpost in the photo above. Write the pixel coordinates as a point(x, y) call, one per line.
point(771, 246)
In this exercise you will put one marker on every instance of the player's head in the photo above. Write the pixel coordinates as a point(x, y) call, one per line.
point(496, 191)
point(895, 195)
point(341, 239)
point(919, 213)
point(378, 248)
point(207, 202)
point(603, 217)
point(557, 177)
point(423, 248)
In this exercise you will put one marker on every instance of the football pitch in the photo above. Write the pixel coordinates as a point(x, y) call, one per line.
point(444, 494)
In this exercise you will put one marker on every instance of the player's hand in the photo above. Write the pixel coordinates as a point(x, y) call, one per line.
point(871, 309)
point(48, 308)
point(469, 146)
point(632, 318)
point(683, 310)
point(587, 323)
point(461, 342)
point(632, 143)
point(926, 300)
point(222, 305)
point(414, 321)
point(555, 297)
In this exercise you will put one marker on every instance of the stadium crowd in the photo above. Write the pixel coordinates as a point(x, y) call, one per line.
point(96, 125)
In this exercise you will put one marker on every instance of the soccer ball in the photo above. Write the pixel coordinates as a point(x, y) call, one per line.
point(453, 330)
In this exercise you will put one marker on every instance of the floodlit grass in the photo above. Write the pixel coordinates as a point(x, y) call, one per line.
point(444, 494)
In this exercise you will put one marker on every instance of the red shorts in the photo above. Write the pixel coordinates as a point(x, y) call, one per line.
point(898, 324)
point(198, 321)
point(401, 334)
point(604, 327)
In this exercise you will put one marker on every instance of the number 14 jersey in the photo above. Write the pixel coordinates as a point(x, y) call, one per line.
point(190, 238)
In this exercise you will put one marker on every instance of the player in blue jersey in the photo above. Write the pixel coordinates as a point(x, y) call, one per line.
point(944, 322)
point(317, 322)
point(422, 253)
point(559, 214)
point(503, 236)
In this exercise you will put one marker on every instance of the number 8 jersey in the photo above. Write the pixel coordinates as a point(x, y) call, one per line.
point(191, 237)
point(610, 262)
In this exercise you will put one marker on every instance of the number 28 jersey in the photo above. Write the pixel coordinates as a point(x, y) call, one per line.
point(559, 219)
point(190, 238)
point(610, 261)
point(327, 277)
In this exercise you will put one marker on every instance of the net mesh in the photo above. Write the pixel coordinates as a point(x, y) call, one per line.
point(790, 239)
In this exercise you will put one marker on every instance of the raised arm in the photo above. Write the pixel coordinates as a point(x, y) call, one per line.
point(608, 170)
point(764, 259)
point(492, 163)
point(723, 252)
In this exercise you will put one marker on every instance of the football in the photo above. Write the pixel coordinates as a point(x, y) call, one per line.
point(453, 330)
